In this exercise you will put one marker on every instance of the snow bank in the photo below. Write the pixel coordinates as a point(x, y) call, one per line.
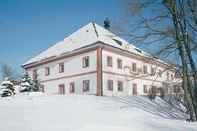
point(38, 112)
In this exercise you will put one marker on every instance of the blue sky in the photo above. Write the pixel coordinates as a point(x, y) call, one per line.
point(29, 26)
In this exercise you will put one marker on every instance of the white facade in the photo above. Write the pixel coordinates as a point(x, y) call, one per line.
point(97, 72)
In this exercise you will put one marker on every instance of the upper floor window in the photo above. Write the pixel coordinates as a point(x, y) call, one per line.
point(120, 86)
point(172, 77)
point(168, 76)
point(134, 67)
point(110, 85)
point(145, 69)
point(61, 67)
point(109, 61)
point(153, 71)
point(72, 87)
point(85, 61)
point(160, 73)
point(119, 63)
point(47, 71)
point(35, 74)
point(86, 85)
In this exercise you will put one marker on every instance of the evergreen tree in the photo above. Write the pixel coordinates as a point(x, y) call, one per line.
point(7, 88)
point(36, 85)
point(26, 84)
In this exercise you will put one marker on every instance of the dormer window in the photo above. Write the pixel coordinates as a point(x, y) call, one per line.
point(118, 42)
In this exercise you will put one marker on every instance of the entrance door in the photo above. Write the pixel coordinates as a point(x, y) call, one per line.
point(134, 89)
point(61, 89)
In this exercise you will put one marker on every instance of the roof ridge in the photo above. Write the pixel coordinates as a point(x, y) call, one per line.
point(95, 30)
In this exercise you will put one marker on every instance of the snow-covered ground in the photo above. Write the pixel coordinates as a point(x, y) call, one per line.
point(89, 113)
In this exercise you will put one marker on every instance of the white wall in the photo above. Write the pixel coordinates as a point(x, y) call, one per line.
point(126, 77)
point(72, 66)
point(51, 87)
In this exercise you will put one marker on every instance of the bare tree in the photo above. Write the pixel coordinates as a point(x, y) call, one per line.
point(6, 71)
point(171, 25)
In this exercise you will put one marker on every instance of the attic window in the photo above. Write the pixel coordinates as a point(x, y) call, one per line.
point(138, 50)
point(155, 57)
point(118, 42)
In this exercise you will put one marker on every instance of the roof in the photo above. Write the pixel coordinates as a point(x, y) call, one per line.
point(87, 35)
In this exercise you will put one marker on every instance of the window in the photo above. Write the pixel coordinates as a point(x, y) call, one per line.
point(61, 67)
point(110, 85)
point(160, 73)
point(72, 87)
point(47, 71)
point(145, 69)
point(35, 75)
point(61, 89)
point(176, 89)
point(134, 67)
point(134, 89)
point(42, 88)
point(86, 85)
point(120, 86)
point(85, 61)
point(109, 61)
point(172, 77)
point(159, 90)
point(119, 63)
point(153, 71)
point(168, 75)
point(145, 89)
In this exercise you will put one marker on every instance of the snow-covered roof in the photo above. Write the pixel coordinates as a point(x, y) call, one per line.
point(85, 36)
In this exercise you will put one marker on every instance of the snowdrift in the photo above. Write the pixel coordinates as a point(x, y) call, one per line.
point(39, 112)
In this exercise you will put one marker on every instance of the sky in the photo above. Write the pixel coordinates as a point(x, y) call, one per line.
point(28, 27)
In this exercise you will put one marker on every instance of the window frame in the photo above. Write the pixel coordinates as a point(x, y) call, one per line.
point(47, 71)
point(85, 61)
point(134, 67)
point(72, 87)
point(35, 74)
point(145, 69)
point(61, 67)
point(86, 85)
point(120, 86)
point(134, 89)
point(110, 85)
point(145, 89)
point(119, 63)
point(109, 61)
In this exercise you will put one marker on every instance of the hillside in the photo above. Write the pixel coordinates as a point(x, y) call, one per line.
point(89, 113)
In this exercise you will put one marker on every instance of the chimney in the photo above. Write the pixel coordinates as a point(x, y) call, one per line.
point(107, 23)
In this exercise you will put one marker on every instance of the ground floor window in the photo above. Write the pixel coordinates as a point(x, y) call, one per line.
point(42, 88)
point(145, 89)
point(134, 89)
point(86, 85)
point(176, 89)
point(110, 85)
point(120, 86)
point(61, 89)
point(72, 87)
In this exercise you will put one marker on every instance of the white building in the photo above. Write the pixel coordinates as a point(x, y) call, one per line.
point(95, 61)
